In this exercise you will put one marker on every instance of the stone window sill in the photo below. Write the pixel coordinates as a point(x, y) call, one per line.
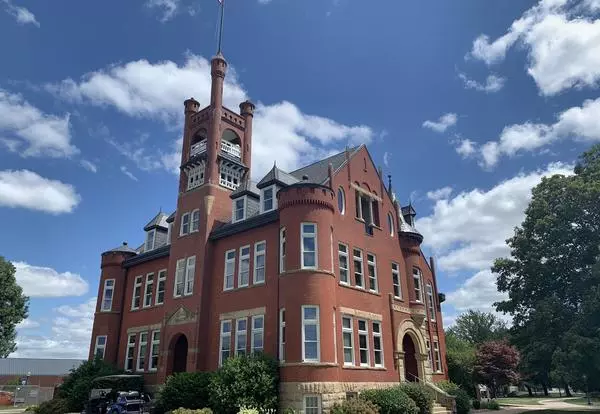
point(309, 364)
point(348, 286)
point(365, 368)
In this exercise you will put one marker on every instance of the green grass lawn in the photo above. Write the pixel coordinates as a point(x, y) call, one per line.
point(583, 401)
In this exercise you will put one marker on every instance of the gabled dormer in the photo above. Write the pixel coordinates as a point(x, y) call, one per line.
point(245, 202)
point(156, 232)
point(270, 184)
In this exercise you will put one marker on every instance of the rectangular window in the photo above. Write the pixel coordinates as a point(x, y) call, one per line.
point(258, 330)
point(130, 352)
point(348, 340)
point(195, 220)
point(429, 355)
point(142, 350)
point(343, 262)
point(310, 333)
point(241, 336)
point(137, 293)
point(189, 275)
point(438, 359)
point(179, 278)
point(244, 271)
point(377, 344)
point(312, 404)
point(268, 204)
point(417, 283)
point(260, 250)
point(430, 302)
point(282, 335)
point(363, 342)
point(358, 268)
point(225, 345)
point(150, 237)
point(229, 270)
point(282, 250)
point(149, 290)
point(185, 224)
point(160, 289)
point(396, 281)
point(100, 347)
point(239, 209)
point(154, 351)
point(107, 295)
point(372, 269)
point(309, 246)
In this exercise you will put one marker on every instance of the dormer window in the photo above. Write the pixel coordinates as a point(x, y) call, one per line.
point(239, 209)
point(150, 239)
point(268, 199)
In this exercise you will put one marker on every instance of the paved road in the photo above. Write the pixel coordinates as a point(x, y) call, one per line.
point(553, 404)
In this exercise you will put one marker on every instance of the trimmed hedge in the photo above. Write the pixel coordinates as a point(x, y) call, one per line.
point(185, 389)
point(463, 401)
point(355, 406)
point(391, 401)
point(55, 406)
point(420, 395)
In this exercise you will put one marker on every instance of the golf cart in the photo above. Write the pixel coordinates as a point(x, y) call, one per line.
point(118, 394)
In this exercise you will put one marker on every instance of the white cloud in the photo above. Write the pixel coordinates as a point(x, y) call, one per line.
point(69, 336)
point(580, 123)
point(21, 14)
point(442, 124)
point(561, 38)
point(168, 8)
point(440, 193)
point(478, 292)
point(386, 158)
point(128, 173)
point(492, 83)
point(30, 131)
point(28, 324)
point(26, 189)
point(88, 165)
point(46, 282)
point(466, 148)
point(157, 91)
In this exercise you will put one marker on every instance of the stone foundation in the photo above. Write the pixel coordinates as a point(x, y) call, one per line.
point(292, 393)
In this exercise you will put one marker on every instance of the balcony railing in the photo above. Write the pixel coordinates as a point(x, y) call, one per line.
point(198, 148)
point(228, 147)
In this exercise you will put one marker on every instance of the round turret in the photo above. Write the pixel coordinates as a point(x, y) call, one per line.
point(191, 105)
point(218, 66)
point(247, 108)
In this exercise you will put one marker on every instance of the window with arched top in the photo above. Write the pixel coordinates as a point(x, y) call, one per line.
point(390, 220)
point(341, 200)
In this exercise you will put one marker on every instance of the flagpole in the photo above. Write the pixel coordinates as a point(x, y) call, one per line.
point(222, 2)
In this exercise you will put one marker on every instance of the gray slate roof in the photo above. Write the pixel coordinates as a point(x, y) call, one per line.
point(277, 176)
point(160, 221)
point(318, 172)
point(124, 248)
point(247, 187)
point(23, 366)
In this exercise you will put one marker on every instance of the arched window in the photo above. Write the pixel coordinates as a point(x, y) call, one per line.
point(341, 200)
point(391, 224)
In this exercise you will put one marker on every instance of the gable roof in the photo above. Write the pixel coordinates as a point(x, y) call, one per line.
point(277, 176)
point(160, 221)
point(318, 172)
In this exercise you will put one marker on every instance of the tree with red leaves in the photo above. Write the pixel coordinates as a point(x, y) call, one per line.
point(496, 365)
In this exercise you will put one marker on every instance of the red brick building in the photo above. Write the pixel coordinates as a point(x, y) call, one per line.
point(320, 267)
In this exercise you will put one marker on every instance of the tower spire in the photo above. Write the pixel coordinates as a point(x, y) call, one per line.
point(220, 40)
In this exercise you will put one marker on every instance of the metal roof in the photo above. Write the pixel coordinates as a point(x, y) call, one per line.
point(124, 248)
point(160, 220)
point(318, 172)
point(37, 367)
point(246, 187)
point(277, 176)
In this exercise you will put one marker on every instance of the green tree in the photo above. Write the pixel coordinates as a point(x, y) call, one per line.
point(496, 364)
point(13, 310)
point(476, 327)
point(460, 356)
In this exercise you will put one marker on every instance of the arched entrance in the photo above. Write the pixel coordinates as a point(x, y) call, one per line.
point(179, 352)
point(411, 366)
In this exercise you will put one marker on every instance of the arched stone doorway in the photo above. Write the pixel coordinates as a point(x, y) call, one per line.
point(178, 353)
point(411, 366)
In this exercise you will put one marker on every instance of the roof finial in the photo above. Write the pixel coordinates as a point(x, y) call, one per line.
point(390, 183)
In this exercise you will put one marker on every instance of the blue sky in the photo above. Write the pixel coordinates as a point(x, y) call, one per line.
point(467, 104)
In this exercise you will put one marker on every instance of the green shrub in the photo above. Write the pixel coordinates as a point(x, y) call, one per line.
point(32, 408)
point(248, 411)
point(188, 411)
point(463, 401)
point(490, 405)
point(476, 404)
point(55, 406)
point(189, 390)
point(355, 406)
point(391, 401)
point(420, 395)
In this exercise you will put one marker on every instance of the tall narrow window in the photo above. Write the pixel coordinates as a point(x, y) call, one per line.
point(377, 344)
point(372, 268)
point(438, 359)
point(363, 342)
point(267, 201)
point(244, 271)
point(396, 281)
point(142, 350)
point(149, 290)
point(239, 209)
point(348, 340)
point(185, 224)
point(282, 250)
point(129, 354)
point(179, 278)
point(160, 287)
point(430, 302)
point(341, 201)
point(312, 404)
point(310, 333)
point(189, 275)
point(195, 220)
point(343, 263)
point(417, 284)
point(154, 351)
point(390, 220)
point(107, 295)
point(229, 270)
point(100, 347)
point(137, 293)
point(241, 336)
point(309, 246)
point(225, 345)
point(358, 268)
point(150, 237)
point(260, 250)
point(430, 355)
point(258, 332)
point(282, 335)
